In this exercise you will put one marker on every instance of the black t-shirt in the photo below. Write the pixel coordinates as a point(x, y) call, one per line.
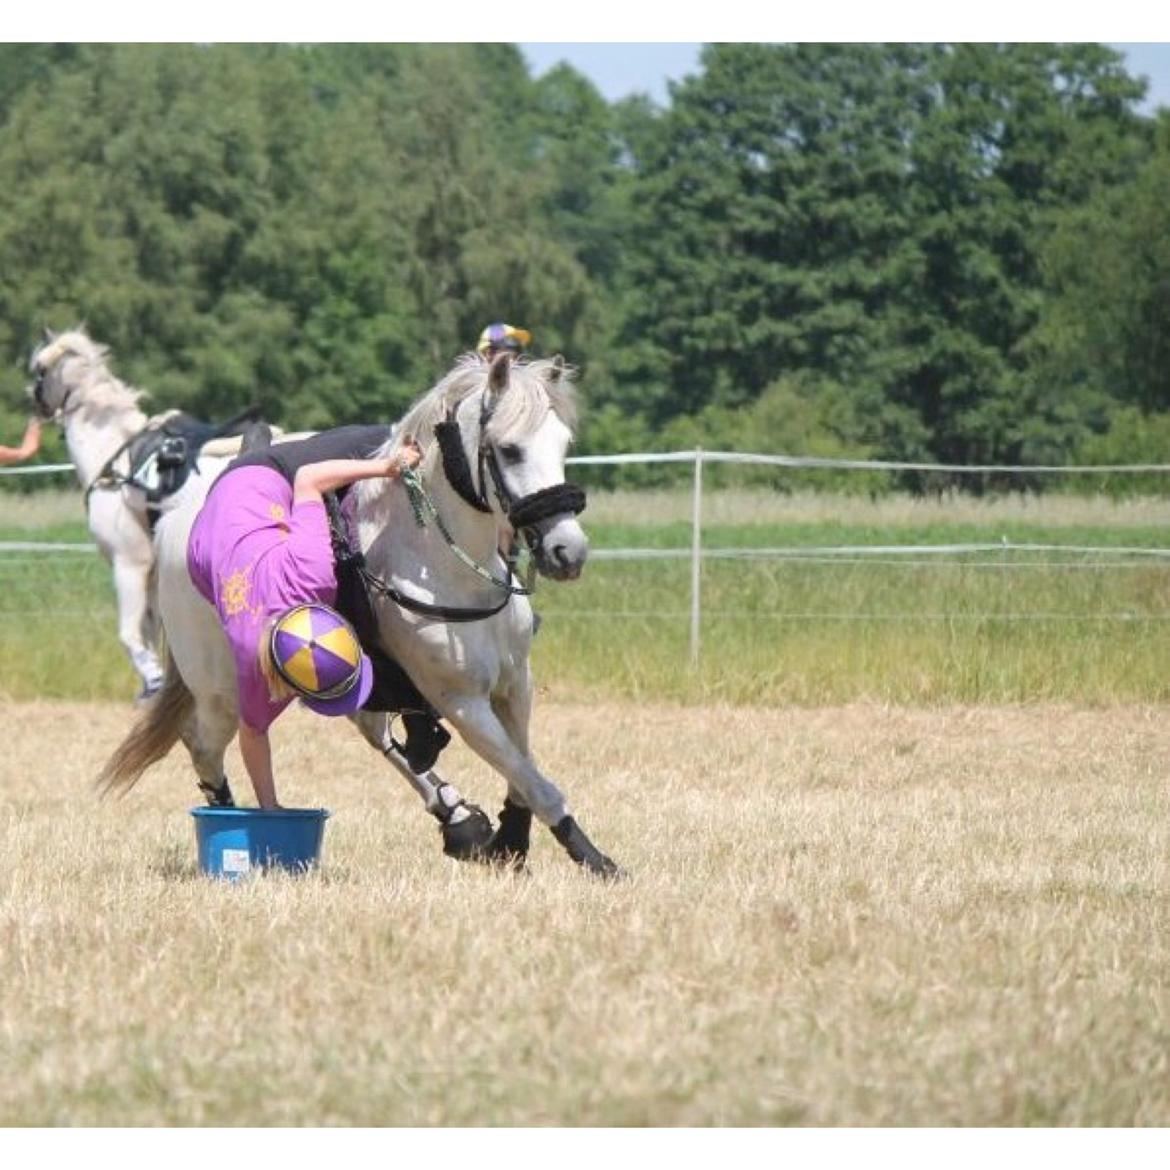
point(352, 442)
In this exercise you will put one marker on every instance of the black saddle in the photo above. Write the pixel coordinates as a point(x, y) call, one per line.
point(162, 457)
point(393, 689)
point(257, 437)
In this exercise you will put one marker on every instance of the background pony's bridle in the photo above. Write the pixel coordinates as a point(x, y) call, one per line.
point(104, 478)
point(44, 410)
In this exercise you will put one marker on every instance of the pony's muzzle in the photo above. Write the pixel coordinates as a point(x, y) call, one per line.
point(562, 550)
point(36, 392)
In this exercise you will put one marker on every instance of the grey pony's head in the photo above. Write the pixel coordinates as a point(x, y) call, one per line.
point(531, 414)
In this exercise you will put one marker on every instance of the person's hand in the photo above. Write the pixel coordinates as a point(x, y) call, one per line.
point(409, 456)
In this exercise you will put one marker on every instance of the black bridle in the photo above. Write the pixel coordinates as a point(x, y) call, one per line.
point(107, 477)
point(44, 410)
point(524, 514)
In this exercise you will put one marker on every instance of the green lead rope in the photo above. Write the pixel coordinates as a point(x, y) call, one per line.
point(422, 505)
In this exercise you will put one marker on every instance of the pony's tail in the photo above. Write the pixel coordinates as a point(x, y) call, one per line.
point(154, 734)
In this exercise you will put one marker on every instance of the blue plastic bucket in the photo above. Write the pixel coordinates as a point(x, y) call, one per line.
point(233, 842)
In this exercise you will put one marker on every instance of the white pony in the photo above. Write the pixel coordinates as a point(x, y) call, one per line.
point(74, 386)
point(494, 439)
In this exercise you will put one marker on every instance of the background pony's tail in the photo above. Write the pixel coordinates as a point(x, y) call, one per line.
point(154, 734)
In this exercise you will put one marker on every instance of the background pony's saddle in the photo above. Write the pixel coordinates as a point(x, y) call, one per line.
point(162, 456)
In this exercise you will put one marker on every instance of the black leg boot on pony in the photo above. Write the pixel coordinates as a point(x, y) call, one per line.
point(466, 828)
point(218, 795)
point(509, 843)
point(426, 737)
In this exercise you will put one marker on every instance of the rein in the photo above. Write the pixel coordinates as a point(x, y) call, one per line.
point(345, 553)
point(108, 477)
point(420, 500)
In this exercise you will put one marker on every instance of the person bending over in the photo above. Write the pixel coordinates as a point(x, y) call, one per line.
point(260, 552)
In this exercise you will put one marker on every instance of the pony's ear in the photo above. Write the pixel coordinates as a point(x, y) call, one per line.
point(558, 367)
point(498, 375)
point(46, 335)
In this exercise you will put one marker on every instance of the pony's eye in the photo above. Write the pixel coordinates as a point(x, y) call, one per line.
point(510, 453)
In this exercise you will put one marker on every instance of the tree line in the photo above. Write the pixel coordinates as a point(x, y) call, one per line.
point(954, 253)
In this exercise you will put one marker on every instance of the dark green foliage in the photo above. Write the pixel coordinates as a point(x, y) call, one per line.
point(1107, 331)
point(318, 229)
point(916, 252)
point(874, 214)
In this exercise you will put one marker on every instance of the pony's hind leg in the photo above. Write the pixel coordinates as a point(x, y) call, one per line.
point(206, 735)
point(131, 585)
point(199, 649)
point(465, 827)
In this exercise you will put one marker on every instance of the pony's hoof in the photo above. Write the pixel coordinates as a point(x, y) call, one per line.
point(508, 848)
point(609, 870)
point(465, 840)
point(220, 797)
point(503, 856)
point(578, 846)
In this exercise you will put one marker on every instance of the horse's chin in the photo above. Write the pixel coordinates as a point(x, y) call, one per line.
point(555, 572)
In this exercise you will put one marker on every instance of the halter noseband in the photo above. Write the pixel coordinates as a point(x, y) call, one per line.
point(43, 410)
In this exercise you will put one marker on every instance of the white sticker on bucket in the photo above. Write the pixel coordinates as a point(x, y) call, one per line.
point(236, 861)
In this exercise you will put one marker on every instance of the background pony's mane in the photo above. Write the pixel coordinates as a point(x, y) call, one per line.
point(94, 381)
point(533, 389)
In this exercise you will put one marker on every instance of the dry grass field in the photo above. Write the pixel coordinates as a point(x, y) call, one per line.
point(860, 915)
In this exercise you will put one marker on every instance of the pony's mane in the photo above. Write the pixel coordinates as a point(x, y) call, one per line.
point(97, 385)
point(533, 389)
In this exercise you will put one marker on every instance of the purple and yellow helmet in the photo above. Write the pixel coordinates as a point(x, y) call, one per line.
point(315, 650)
point(500, 336)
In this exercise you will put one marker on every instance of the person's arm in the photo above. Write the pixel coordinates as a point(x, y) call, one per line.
point(315, 479)
point(257, 755)
point(29, 445)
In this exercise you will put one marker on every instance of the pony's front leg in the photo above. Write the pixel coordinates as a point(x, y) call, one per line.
point(510, 842)
point(483, 732)
point(465, 827)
